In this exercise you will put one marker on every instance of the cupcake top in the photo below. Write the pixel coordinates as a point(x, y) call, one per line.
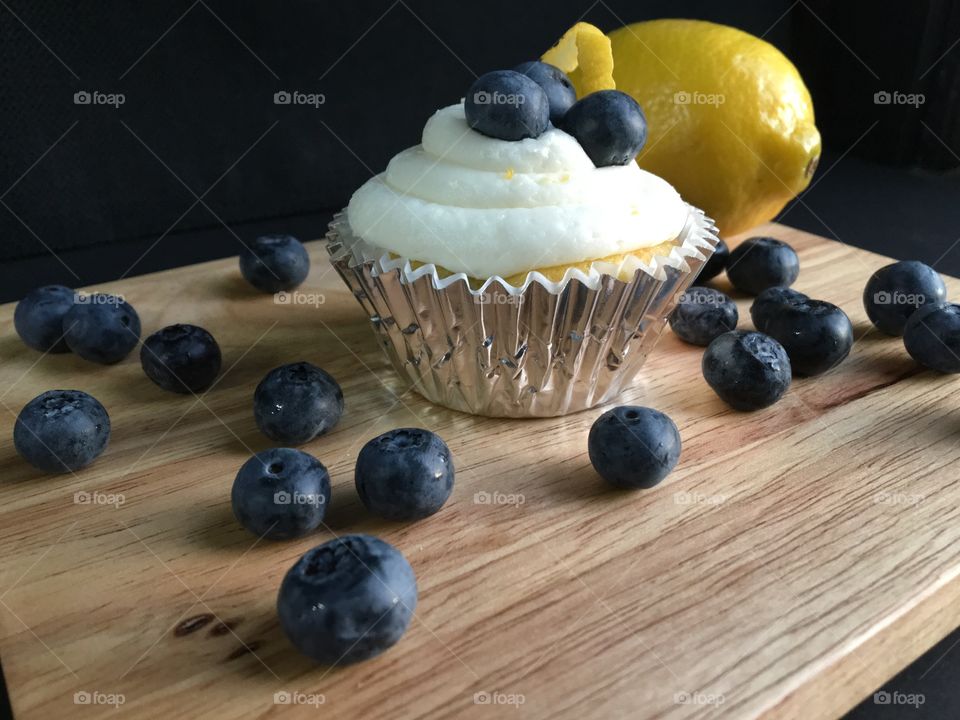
point(486, 206)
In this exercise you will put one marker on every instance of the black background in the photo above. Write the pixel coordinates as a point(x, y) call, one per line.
point(199, 120)
point(199, 158)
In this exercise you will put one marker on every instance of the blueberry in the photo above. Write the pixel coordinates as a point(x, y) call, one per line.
point(281, 493)
point(634, 447)
point(181, 358)
point(61, 431)
point(748, 370)
point(609, 125)
point(932, 337)
point(404, 474)
point(39, 318)
point(275, 262)
point(895, 291)
point(816, 334)
point(716, 263)
point(702, 314)
point(295, 403)
point(762, 262)
point(347, 600)
point(507, 105)
point(101, 328)
point(769, 302)
point(555, 83)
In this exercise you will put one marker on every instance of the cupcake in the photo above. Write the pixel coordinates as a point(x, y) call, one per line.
point(518, 262)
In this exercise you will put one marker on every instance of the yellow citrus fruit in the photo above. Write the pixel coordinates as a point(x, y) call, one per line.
point(584, 54)
point(731, 123)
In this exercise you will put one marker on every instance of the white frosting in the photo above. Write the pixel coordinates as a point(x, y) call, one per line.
point(486, 207)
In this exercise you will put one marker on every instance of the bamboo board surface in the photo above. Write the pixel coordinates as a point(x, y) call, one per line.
point(797, 557)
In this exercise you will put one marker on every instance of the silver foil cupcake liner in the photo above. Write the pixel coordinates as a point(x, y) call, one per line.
point(538, 350)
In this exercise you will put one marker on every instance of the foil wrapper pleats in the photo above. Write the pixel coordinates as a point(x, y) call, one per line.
point(539, 350)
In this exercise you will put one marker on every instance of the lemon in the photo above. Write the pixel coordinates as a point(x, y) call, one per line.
point(585, 55)
point(731, 123)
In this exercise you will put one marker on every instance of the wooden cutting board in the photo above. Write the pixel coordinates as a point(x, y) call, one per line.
point(797, 558)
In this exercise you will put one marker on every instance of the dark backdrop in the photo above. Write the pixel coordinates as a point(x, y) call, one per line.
point(198, 79)
point(199, 157)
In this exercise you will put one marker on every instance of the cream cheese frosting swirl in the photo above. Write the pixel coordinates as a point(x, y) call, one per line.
point(483, 206)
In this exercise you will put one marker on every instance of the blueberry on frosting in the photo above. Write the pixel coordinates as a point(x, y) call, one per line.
point(555, 83)
point(507, 105)
point(609, 125)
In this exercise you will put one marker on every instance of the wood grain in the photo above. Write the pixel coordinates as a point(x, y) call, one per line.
point(797, 558)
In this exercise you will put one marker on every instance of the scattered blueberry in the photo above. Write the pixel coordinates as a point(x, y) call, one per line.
point(297, 402)
point(507, 105)
point(281, 493)
point(932, 337)
point(275, 262)
point(769, 302)
point(181, 358)
point(702, 314)
point(101, 328)
point(555, 83)
point(609, 125)
point(404, 474)
point(895, 291)
point(347, 600)
point(716, 263)
point(61, 431)
point(762, 262)
point(748, 370)
point(634, 447)
point(817, 335)
point(39, 318)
